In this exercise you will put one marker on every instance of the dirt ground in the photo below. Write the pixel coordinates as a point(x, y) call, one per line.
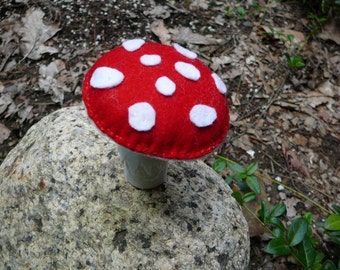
point(286, 118)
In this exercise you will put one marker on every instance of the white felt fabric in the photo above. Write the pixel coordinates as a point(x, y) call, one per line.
point(219, 83)
point(150, 59)
point(142, 116)
point(184, 51)
point(105, 77)
point(202, 115)
point(165, 86)
point(132, 45)
point(188, 71)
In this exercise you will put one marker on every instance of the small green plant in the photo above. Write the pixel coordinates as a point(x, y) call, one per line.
point(332, 225)
point(295, 239)
point(241, 12)
point(229, 11)
point(315, 23)
point(319, 20)
point(293, 61)
point(320, 12)
point(256, 6)
point(323, 5)
point(244, 177)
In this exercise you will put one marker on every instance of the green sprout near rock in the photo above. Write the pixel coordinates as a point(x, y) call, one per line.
point(294, 240)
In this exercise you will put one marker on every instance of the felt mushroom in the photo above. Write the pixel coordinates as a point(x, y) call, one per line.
point(157, 102)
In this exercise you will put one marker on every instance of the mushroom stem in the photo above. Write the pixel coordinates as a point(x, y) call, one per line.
point(142, 171)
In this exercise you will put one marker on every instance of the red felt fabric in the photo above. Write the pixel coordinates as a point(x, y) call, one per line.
point(174, 136)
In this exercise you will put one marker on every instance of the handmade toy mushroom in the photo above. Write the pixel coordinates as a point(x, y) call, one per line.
point(157, 102)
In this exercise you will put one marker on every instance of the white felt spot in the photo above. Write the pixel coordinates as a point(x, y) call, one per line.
point(188, 71)
point(202, 115)
point(142, 117)
point(105, 77)
point(184, 51)
point(165, 86)
point(132, 45)
point(219, 83)
point(150, 59)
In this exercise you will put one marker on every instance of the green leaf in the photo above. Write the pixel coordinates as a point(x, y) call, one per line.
point(264, 212)
point(290, 37)
point(309, 232)
point(277, 223)
point(288, 57)
point(279, 32)
point(238, 197)
point(243, 186)
point(219, 165)
point(253, 184)
point(297, 231)
point(336, 207)
point(236, 168)
point(278, 210)
point(277, 233)
point(308, 217)
point(278, 246)
point(271, 28)
point(229, 179)
point(329, 265)
point(306, 253)
point(241, 176)
point(334, 236)
point(241, 12)
point(316, 266)
point(314, 241)
point(248, 197)
point(229, 11)
point(252, 168)
point(332, 223)
point(318, 257)
point(294, 61)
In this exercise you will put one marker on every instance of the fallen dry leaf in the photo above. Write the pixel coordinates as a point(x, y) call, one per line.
point(35, 33)
point(220, 61)
point(5, 101)
point(184, 35)
point(290, 205)
point(235, 98)
point(158, 28)
point(244, 143)
point(300, 140)
point(232, 74)
point(299, 37)
point(329, 89)
point(158, 12)
point(25, 113)
point(315, 99)
point(295, 163)
point(4, 133)
point(331, 31)
point(8, 46)
point(199, 4)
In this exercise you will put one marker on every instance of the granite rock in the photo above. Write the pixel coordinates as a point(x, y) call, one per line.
point(66, 205)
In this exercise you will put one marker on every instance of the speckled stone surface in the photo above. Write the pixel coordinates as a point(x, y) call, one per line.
point(64, 204)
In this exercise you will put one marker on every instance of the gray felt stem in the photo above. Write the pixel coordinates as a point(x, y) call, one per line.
point(142, 171)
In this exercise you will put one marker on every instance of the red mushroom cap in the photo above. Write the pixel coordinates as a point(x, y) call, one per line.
point(158, 100)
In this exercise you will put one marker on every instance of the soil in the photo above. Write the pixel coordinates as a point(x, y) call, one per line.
point(286, 118)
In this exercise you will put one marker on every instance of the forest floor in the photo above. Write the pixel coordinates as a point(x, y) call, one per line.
point(284, 115)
